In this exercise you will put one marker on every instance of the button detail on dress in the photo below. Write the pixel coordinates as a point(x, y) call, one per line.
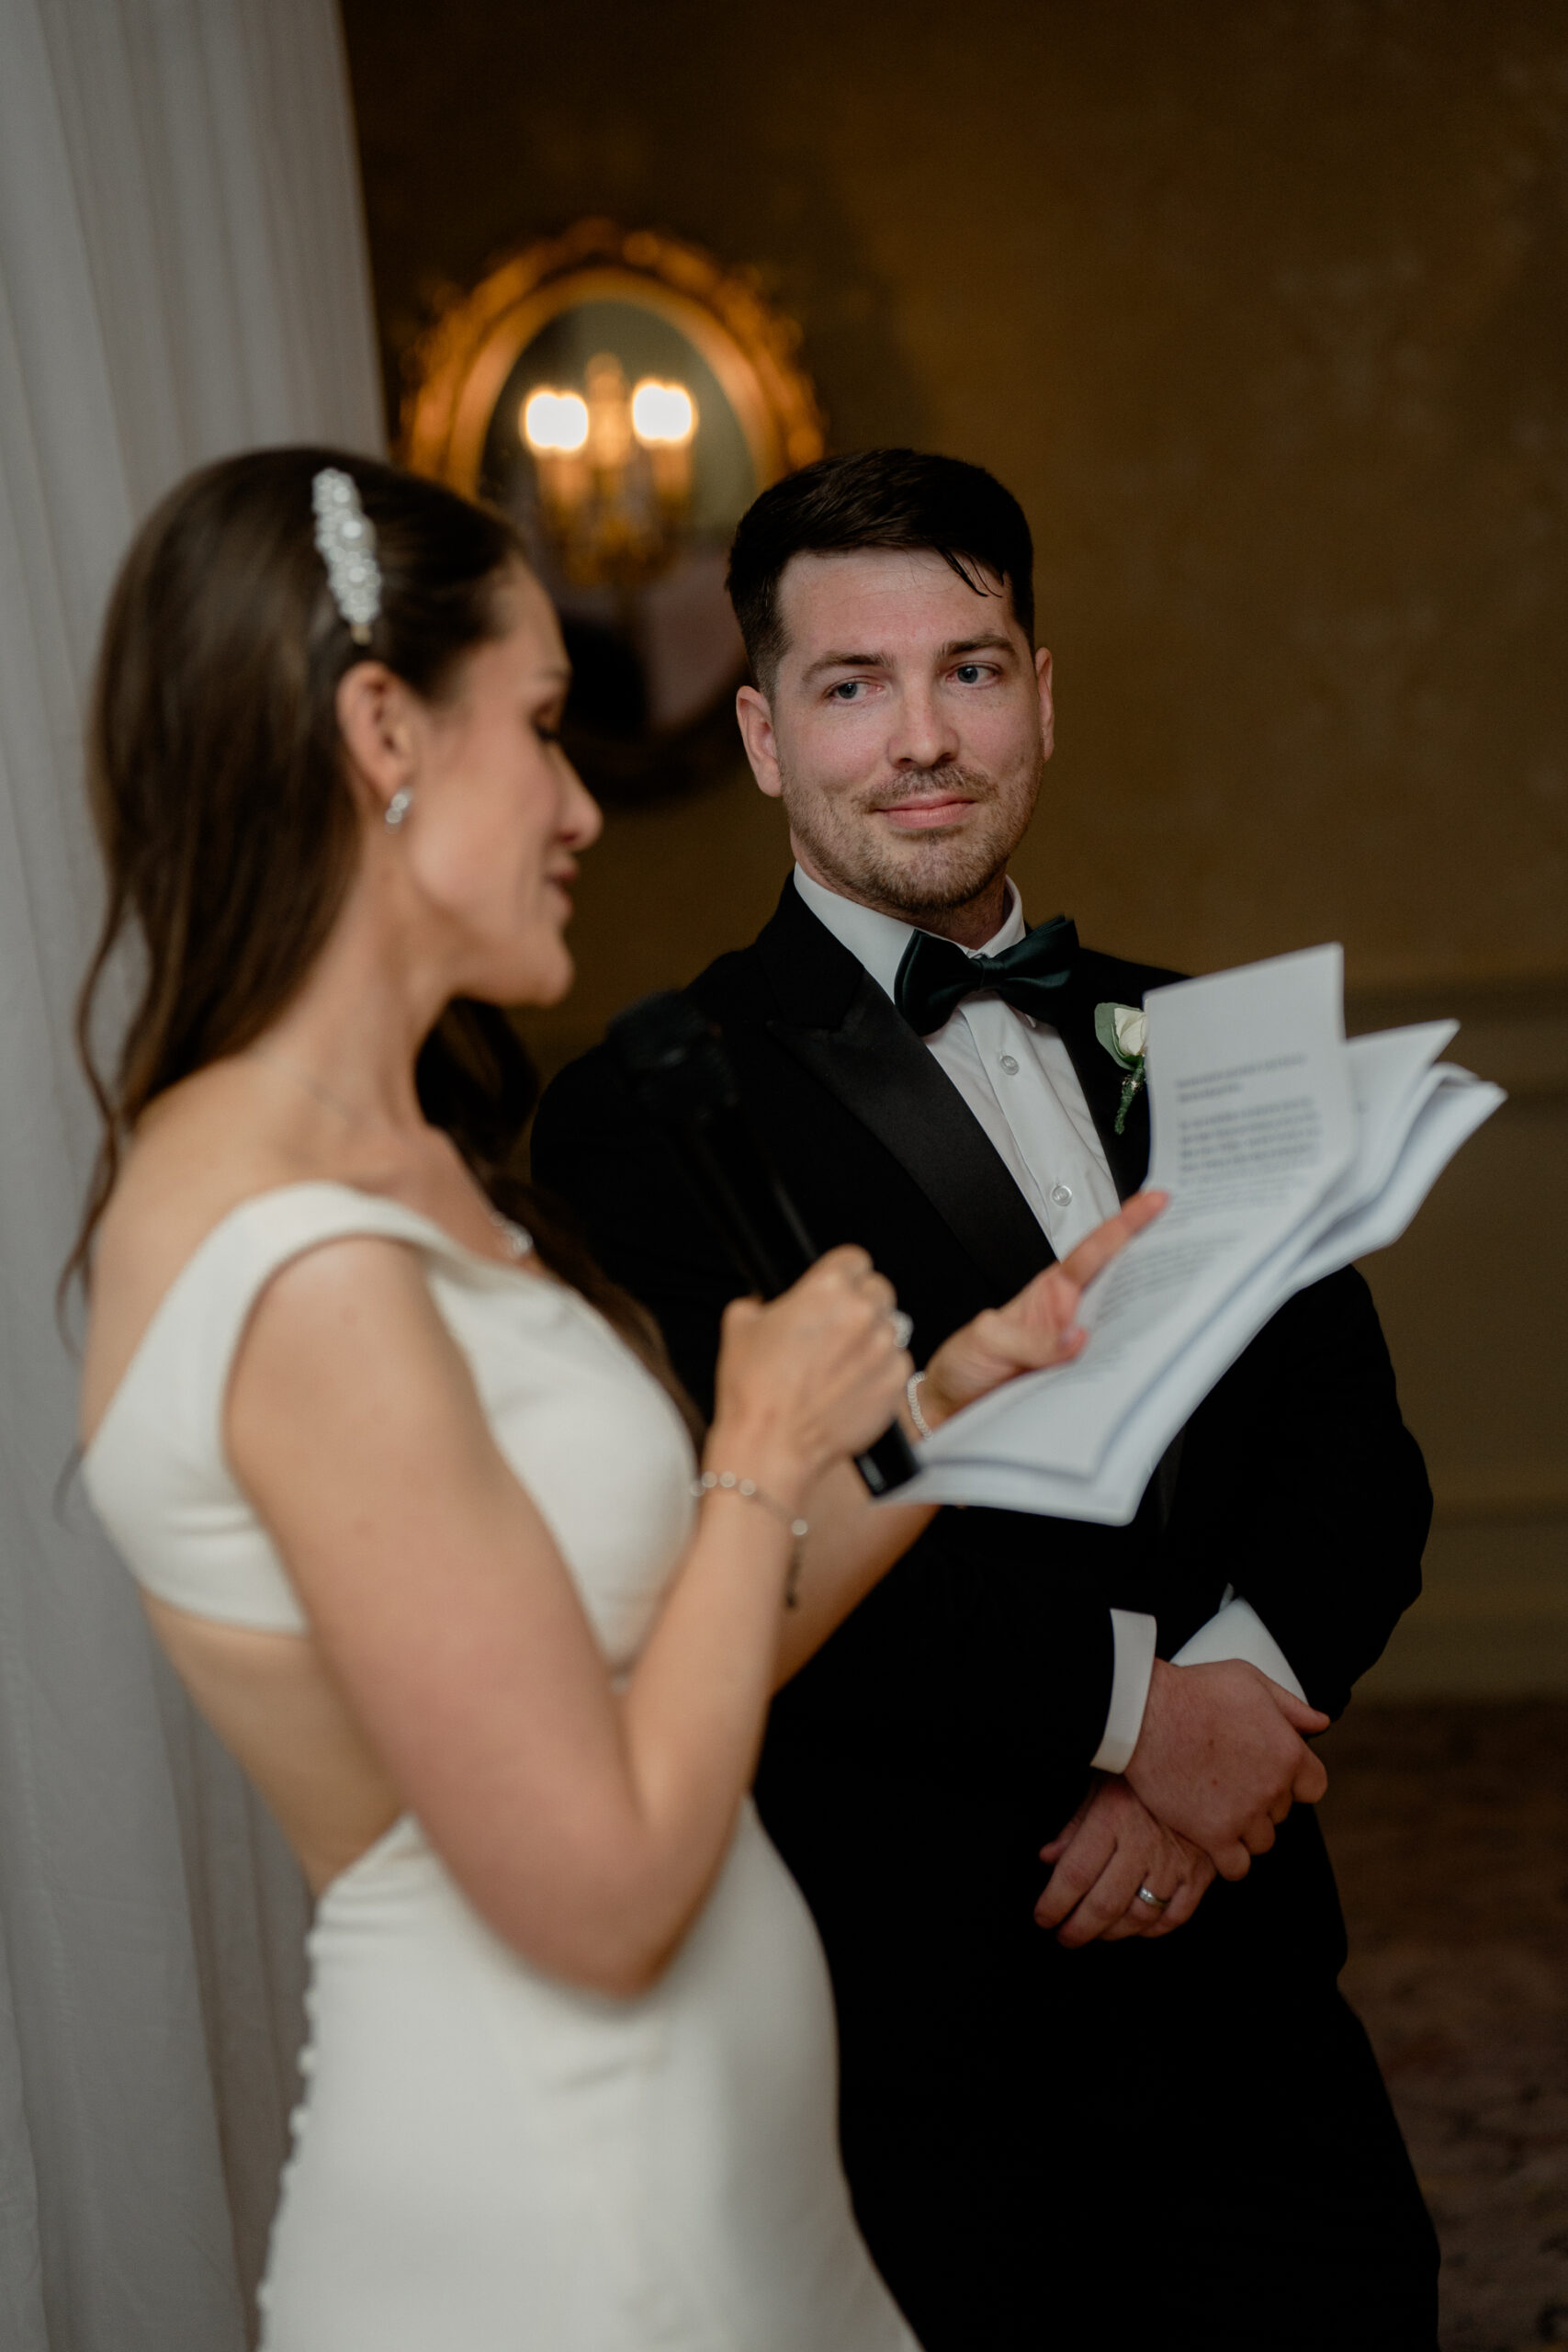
point(1008, 1063)
point(1062, 1194)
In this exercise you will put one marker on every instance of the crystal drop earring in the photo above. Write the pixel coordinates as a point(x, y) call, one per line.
point(397, 807)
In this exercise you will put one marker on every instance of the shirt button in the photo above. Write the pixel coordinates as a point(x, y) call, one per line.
point(1008, 1064)
point(1062, 1194)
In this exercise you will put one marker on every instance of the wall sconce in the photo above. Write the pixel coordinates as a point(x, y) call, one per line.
point(615, 471)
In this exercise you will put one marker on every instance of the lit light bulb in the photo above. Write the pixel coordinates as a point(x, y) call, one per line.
point(555, 423)
point(663, 415)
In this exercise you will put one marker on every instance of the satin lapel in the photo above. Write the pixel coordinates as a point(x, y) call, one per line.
point(840, 1026)
point(879, 1070)
point(1127, 1154)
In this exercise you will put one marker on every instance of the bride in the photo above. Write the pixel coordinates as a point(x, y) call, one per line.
point(411, 1496)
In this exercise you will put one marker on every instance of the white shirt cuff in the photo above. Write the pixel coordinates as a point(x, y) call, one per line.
point(1237, 1631)
point(1134, 1635)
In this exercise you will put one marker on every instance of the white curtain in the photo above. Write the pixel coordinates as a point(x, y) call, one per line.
point(182, 273)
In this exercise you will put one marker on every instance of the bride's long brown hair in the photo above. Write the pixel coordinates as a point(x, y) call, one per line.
point(215, 774)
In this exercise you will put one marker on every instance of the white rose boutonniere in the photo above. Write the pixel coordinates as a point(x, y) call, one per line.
point(1122, 1030)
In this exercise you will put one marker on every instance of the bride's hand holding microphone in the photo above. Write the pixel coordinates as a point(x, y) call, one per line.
point(814, 1379)
point(811, 1379)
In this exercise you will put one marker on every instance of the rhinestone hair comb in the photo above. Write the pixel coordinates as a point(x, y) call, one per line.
point(345, 538)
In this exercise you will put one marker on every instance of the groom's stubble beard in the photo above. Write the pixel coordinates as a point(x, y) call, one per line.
point(912, 874)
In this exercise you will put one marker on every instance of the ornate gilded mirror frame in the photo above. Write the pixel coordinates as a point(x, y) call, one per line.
point(522, 392)
point(461, 367)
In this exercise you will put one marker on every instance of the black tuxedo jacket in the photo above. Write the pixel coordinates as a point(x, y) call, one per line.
point(915, 1767)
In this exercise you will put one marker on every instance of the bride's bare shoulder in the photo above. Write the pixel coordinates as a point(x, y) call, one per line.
point(197, 1153)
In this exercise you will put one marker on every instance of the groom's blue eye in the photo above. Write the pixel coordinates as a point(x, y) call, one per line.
point(968, 672)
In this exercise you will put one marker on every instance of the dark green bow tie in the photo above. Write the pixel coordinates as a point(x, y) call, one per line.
point(935, 976)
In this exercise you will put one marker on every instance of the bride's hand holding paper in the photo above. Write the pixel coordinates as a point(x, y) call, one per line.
point(1036, 1329)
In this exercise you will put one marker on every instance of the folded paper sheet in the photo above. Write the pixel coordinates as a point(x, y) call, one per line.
point(1286, 1153)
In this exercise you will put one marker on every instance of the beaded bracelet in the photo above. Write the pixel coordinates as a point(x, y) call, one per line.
point(748, 1491)
point(912, 1398)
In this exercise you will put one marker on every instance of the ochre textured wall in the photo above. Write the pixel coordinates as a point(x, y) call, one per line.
point(1261, 307)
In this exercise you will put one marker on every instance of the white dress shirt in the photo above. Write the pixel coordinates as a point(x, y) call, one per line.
point(1018, 1078)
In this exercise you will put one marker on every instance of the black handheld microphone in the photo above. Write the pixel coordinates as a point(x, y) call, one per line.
point(677, 1068)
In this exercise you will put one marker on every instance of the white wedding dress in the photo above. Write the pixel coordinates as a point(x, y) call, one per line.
point(486, 2159)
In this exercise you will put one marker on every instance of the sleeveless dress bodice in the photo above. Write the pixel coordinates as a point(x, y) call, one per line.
point(486, 2157)
point(591, 1436)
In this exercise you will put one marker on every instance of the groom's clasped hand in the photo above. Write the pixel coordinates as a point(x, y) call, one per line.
point(1220, 1759)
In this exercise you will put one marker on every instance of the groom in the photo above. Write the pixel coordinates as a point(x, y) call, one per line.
point(1178, 2142)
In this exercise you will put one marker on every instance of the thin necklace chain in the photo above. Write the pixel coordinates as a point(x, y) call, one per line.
point(519, 1241)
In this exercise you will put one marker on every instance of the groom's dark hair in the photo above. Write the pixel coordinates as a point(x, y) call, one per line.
point(876, 498)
